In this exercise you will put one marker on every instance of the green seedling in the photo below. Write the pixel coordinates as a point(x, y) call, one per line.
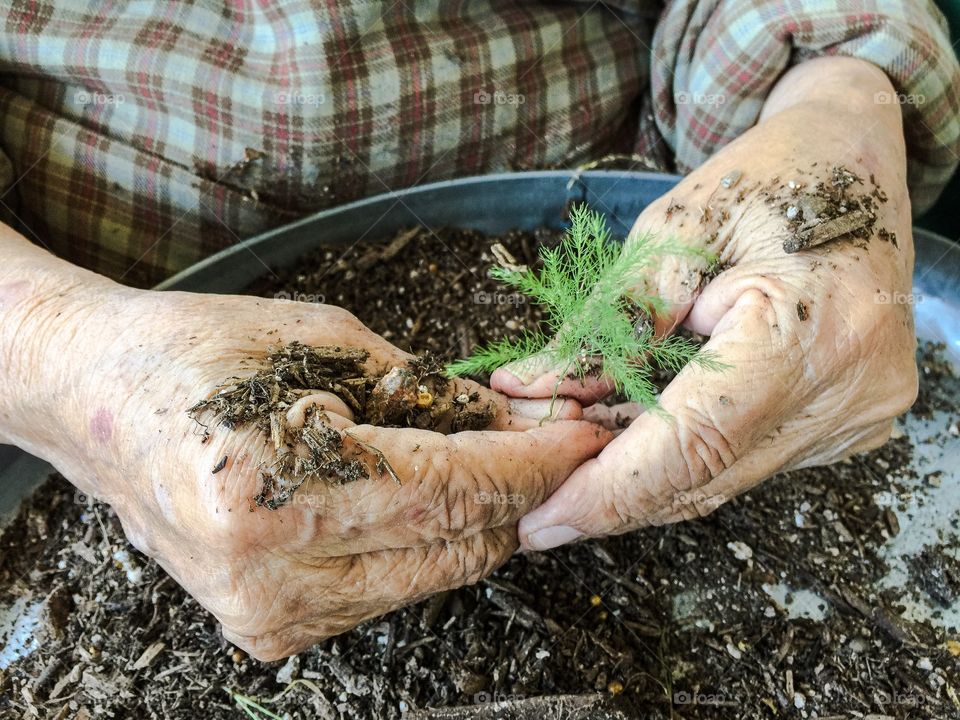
point(597, 321)
point(253, 707)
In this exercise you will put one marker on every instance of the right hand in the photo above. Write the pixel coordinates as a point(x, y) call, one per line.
point(119, 368)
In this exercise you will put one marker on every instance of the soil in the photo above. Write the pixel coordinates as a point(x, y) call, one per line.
point(668, 622)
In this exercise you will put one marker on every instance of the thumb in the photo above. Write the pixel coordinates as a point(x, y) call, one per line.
point(674, 282)
point(538, 377)
point(716, 439)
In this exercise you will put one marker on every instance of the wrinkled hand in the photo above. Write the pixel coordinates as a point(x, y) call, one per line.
point(819, 343)
point(280, 580)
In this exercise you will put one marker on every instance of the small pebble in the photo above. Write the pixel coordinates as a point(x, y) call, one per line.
point(289, 670)
point(741, 551)
point(792, 212)
point(615, 687)
point(124, 562)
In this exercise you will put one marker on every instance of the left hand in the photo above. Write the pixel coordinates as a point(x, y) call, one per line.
point(819, 344)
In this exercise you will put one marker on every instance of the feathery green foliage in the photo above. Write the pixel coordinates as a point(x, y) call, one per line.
point(591, 322)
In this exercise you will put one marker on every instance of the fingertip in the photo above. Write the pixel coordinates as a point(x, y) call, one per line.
point(559, 520)
point(504, 381)
point(539, 411)
point(579, 436)
point(585, 390)
point(549, 537)
point(336, 411)
point(577, 510)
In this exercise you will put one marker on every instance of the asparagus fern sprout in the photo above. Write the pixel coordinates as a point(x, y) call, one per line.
point(595, 319)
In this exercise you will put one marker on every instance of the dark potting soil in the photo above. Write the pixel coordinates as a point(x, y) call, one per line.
point(669, 622)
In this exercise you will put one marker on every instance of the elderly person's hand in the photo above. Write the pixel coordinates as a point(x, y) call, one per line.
point(98, 379)
point(819, 343)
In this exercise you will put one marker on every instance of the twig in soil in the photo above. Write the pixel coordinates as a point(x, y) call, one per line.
point(257, 711)
point(310, 685)
point(822, 232)
point(383, 465)
point(387, 252)
point(251, 707)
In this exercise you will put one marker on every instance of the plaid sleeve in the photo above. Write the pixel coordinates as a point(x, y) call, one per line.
point(715, 61)
point(145, 136)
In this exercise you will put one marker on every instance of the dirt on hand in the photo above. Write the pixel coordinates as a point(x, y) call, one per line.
point(412, 396)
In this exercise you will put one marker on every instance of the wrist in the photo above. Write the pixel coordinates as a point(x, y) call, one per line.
point(54, 319)
point(839, 92)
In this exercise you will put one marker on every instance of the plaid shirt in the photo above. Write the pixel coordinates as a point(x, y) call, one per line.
point(138, 137)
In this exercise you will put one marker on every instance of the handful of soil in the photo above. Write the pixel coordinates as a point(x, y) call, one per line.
point(412, 396)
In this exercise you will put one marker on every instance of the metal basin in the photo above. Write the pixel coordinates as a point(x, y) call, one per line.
point(496, 203)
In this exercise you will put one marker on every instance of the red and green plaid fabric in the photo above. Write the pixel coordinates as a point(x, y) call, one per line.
point(137, 138)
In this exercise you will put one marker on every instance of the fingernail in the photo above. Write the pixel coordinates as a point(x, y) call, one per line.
point(552, 537)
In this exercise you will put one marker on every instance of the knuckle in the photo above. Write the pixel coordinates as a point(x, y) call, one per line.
point(479, 558)
point(335, 314)
point(697, 504)
point(703, 451)
point(874, 439)
point(225, 533)
point(626, 502)
point(905, 393)
point(455, 503)
point(266, 647)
